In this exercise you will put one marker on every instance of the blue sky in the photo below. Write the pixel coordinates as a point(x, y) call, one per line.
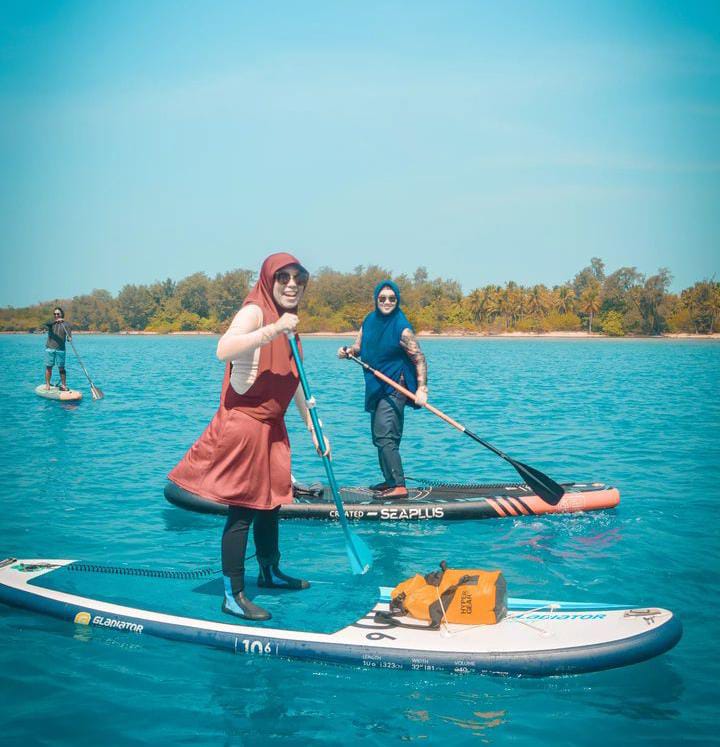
point(486, 141)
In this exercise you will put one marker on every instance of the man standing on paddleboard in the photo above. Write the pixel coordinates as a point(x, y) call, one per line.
point(243, 457)
point(58, 331)
point(387, 342)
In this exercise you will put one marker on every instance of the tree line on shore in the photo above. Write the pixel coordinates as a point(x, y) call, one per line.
point(624, 302)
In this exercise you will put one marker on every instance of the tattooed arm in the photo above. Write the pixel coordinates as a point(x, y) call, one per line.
point(409, 343)
point(354, 348)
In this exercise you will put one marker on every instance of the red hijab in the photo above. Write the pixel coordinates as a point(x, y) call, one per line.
point(277, 379)
point(262, 292)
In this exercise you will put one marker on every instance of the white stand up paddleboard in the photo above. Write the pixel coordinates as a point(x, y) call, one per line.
point(537, 637)
point(54, 392)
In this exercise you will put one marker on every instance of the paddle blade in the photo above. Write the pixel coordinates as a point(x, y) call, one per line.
point(541, 484)
point(96, 393)
point(358, 553)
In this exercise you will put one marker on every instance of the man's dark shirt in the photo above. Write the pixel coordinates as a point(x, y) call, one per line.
point(56, 335)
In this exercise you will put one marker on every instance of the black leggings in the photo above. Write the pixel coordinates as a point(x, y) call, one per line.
point(235, 538)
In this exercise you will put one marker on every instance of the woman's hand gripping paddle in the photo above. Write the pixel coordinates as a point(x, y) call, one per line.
point(96, 392)
point(541, 484)
point(358, 552)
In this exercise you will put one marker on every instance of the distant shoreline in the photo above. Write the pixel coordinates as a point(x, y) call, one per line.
point(423, 334)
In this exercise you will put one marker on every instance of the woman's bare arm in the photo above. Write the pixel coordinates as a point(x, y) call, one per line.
point(245, 334)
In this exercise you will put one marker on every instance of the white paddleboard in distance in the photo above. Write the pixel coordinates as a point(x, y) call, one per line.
point(537, 637)
point(54, 392)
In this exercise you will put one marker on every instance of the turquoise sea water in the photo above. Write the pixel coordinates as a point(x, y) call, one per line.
point(86, 482)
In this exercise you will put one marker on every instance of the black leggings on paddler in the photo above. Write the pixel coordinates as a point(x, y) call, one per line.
point(235, 539)
point(386, 423)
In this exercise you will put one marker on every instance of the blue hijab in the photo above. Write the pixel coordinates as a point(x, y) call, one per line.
point(380, 347)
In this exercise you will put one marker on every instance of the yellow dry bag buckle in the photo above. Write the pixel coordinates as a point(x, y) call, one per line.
point(457, 596)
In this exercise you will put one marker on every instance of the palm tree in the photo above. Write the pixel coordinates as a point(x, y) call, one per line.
point(514, 301)
point(492, 305)
point(538, 300)
point(564, 299)
point(590, 302)
point(506, 304)
point(483, 303)
point(477, 304)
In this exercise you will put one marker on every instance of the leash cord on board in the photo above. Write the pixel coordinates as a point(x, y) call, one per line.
point(120, 570)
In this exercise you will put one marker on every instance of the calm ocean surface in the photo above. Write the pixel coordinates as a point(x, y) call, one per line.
point(86, 482)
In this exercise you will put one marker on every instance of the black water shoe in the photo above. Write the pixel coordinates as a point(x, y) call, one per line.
point(240, 606)
point(271, 577)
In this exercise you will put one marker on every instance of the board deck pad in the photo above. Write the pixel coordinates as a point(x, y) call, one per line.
point(319, 609)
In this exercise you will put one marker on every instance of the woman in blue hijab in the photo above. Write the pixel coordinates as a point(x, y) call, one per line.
point(387, 342)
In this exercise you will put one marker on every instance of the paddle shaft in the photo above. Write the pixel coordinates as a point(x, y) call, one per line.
point(350, 539)
point(545, 487)
point(427, 406)
point(82, 365)
point(77, 355)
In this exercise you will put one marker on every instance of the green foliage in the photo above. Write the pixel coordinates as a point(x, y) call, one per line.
point(702, 303)
point(612, 324)
point(652, 302)
point(619, 287)
point(193, 294)
point(633, 322)
point(136, 304)
point(30, 319)
point(97, 311)
point(568, 322)
point(588, 276)
point(590, 301)
point(225, 290)
point(623, 302)
point(530, 324)
point(680, 320)
point(564, 299)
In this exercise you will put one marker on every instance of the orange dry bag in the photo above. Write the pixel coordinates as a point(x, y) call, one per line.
point(467, 597)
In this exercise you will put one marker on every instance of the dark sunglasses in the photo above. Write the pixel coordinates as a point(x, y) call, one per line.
point(56, 313)
point(387, 299)
point(283, 277)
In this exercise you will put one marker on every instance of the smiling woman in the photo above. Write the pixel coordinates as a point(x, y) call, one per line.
point(387, 341)
point(243, 457)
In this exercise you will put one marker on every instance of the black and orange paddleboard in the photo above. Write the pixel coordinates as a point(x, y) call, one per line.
point(424, 503)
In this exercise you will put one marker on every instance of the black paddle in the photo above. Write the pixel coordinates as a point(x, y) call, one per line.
point(540, 483)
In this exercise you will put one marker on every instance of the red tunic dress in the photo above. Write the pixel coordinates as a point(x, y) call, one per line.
point(243, 457)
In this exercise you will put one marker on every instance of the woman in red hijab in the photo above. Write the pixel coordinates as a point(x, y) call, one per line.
point(243, 457)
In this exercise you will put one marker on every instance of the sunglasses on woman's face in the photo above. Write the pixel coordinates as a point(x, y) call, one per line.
point(57, 313)
point(387, 299)
point(283, 277)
